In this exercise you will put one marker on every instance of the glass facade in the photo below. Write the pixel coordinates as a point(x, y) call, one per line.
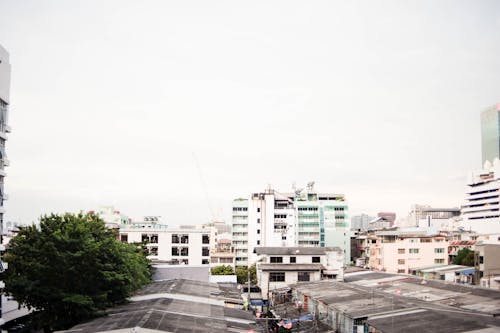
point(490, 134)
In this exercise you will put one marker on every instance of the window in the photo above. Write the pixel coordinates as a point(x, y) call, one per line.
point(205, 239)
point(401, 251)
point(414, 251)
point(258, 220)
point(184, 239)
point(293, 260)
point(439, 261)
point(481, 259)
point(185, 261)
point(439, 250)
point(124, 238)
point(175, 251)
point(258, 231)
point(283, 237)
point(258, 210)
point(316, 259)
point(205, 252)
point(401, 270)
point(154, 239)
point(184, 251)
point(401, 261)
point(276, 260)
point(258, 242)
point(175, 239)
point(153, 251)
point(277, 277)
point(205, 261)
point(303, 276)
point(425, 240)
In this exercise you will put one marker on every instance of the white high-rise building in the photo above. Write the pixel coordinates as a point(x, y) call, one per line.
point(300, 218)
point(4, 129)
point(481, 210)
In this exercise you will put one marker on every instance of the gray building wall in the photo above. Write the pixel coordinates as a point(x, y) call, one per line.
point(490, 133)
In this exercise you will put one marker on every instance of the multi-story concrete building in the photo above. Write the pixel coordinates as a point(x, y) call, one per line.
point(490, 133)
point(487, 264)
point(187, 246)
point(301, 218)
point(280, 267)
point(379, 223)
point(389, 216)
point(361, 222)
point(481, 210)
point(400, 251)
point(4, 129)
point(425, 216)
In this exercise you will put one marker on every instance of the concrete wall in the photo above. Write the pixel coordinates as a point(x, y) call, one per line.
point(4, 75)
point(223, 279)
point(165, 244)
point(386, 256)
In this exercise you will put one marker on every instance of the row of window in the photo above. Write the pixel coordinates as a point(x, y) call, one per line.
point(184, 251)
point(240, 209)
point(416, 251)
point(280, 276)
point(436, 261)
point(176, 239)
point(279, 260)
point(186, 261)
point(425, 240)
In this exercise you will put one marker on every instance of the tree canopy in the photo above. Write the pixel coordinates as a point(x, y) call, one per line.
point(71, 267)
point(242, 274)
point(464, 257)
point(222, 270)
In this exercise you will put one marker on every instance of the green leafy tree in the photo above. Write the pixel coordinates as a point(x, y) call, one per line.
point(464, 257)
point(222, 270)
point(71, 267)
point(242, 274)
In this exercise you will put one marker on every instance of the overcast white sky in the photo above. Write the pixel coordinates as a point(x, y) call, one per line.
point(378, 100)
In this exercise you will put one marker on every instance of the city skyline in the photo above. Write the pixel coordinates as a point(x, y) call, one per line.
point(154, 108)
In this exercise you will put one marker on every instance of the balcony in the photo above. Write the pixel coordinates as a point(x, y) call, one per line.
point(311, 229)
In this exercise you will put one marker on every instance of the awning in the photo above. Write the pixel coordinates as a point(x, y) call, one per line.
point(468, 271)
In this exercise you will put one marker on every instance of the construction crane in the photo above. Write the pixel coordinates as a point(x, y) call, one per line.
point(204, 186)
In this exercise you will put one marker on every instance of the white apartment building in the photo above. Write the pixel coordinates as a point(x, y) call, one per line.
point(186, 246)
point(279, 267)
point(304, 217)
point(4, 129)
point(481, 210)
point(401, 251)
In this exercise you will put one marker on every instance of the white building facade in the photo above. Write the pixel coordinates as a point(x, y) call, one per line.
point(301, 218)
point(481, 210)
point(401, 251)
point(176, 246)
point(4, 129)
point(279, 267)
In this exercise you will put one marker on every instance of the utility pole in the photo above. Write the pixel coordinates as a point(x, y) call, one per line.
point(248, 276)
